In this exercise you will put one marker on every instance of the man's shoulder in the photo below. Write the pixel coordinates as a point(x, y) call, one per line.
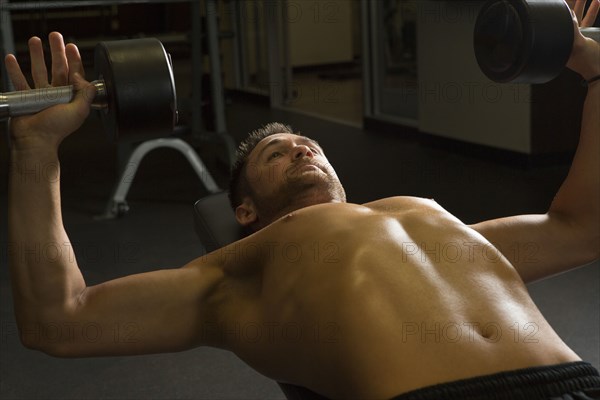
point(400, 203)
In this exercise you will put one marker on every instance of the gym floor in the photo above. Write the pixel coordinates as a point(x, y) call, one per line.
point(158, 233)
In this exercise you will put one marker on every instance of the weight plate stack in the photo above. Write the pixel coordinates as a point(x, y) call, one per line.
point(140, 87)
point(523, 41)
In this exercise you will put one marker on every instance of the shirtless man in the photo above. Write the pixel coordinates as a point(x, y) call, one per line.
point(364, 301)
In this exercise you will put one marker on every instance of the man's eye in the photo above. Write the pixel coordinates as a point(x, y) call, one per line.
point(274, 155)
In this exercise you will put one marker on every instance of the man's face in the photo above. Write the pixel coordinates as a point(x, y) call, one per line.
point(287, 172)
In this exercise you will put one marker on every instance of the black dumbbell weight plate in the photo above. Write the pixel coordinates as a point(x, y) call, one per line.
point(523, 41)
point(140, 87)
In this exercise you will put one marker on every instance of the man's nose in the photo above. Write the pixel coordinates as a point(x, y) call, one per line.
point(302, 151)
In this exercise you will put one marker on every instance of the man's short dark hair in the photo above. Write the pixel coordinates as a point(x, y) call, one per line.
point(238, 183)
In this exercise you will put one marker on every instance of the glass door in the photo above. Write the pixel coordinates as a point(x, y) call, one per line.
point(390, 60)
point(260, 61)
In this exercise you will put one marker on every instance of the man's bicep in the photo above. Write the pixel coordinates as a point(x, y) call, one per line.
point(538, 246)
point(154, 312)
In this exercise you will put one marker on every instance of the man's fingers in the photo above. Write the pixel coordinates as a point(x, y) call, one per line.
point(592, 14)
point(578, 8)
point(74, 60)
point(85, 93)
point(84, 88)
point(39, 72)
point(15, 74)
point(60, 68)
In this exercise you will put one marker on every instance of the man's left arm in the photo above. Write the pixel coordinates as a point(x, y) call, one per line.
point(568, 235)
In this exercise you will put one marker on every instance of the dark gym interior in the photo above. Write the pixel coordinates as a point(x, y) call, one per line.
point(374, 157)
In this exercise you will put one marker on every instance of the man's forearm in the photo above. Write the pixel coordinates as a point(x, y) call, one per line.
point(45, 277)
point(579, 197)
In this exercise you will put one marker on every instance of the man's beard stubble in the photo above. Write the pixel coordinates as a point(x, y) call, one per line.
point(299, 192)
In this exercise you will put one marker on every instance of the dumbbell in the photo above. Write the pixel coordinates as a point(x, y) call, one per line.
point(135, 90)
point(525, 41)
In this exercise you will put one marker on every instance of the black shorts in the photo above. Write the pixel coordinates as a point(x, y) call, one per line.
point(570, 381)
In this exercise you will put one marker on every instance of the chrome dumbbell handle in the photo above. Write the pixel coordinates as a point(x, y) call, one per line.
point(592, 33)
point(26, 102)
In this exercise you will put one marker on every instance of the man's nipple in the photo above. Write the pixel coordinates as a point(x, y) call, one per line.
point(288, 217)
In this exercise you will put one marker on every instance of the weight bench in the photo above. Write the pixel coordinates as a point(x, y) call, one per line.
point(215, 224)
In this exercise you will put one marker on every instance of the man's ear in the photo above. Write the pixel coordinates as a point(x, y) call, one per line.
point(245, 213)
